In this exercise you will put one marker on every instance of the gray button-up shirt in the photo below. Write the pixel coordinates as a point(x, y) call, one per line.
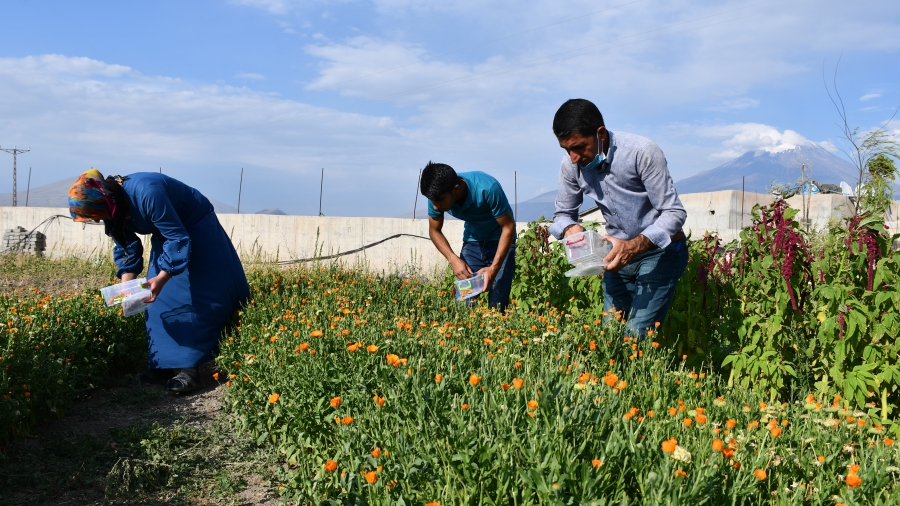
point(632, 187)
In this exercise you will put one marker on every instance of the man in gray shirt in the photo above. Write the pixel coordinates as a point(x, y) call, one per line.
point(627, 176)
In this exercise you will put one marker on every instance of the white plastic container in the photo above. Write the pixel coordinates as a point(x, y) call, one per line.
point(468, 288)
point(134, 303)
point(115, 294)
point(586, 251)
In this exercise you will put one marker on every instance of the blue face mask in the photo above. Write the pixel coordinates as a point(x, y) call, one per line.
point(598, 159)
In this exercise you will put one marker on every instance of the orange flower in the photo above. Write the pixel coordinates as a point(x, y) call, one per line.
point(853, 481)
point(330, 466)
point(438, 378)
point(474, 379)
point(273, 339)
point(316, 333)
point(488, 341)
point(730, 424)
point(371, 477)
point(687, 422)
point(304, 346)
point(700, 418)
point(376, 452)
point(668, 446)
point(728, 453)
point(888, 441)
point(597, 463)
point(630, 414)
point(821, 458)
point(352, 347)
point(532, 404)
point(379, 401)
point(518, 382)
point(433, 503)
point(518, 365)
point(611, 379)
point(392, 359)
point(372, 348)
point(717, 445)
point(504, 386)
point(854, 469)
point(465, 406)
point(215, 376)
point(680, 474)
point(673, 411)
point(760, 474)
point(335, 402)
point(650, 413)
point(273, 398)
point(347, 420)
point(776, 431)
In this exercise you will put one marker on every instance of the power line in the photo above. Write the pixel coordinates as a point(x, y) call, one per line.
point(16, 151)
point(509, 68)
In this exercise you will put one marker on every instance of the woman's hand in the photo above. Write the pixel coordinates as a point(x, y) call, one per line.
point(156, 284)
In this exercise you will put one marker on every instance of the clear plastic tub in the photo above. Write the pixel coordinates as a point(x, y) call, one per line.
point(468, 288)
point(134, 303)
point(586, 251)
point(115, 294)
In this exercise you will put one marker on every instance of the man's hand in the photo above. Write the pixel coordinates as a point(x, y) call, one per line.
point(460, 268)
point(572, 229)
point(490, 272)
point(624, 251)
point(156, 285)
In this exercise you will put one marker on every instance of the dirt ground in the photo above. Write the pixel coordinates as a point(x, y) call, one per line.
point(72, 460)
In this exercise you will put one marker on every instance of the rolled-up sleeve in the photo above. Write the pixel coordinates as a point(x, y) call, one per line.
point(660, 188)
point(129, 259)
point(176, 247)
point(568, 199)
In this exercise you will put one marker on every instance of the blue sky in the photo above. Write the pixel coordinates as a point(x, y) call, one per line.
point(371, 90)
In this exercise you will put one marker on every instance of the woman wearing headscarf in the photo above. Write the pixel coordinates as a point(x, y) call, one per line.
point(195, 275)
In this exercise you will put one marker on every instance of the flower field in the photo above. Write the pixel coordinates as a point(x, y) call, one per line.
point(56, 347)
point(380, 390)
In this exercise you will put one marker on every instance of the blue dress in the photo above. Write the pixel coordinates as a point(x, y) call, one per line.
point(208, 284)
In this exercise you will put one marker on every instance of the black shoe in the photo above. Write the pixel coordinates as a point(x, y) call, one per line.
point(155, 376)
point(187, 380)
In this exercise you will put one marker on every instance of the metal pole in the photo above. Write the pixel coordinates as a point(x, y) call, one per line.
point(160, 170)
point(28, 188)
point(15, 151)
point(742, 201)
point(240, 189)
point(516, 195)
point(416, 200)
point(321, 186)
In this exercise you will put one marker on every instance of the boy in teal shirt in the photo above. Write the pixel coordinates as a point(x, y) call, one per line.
point(489, 234)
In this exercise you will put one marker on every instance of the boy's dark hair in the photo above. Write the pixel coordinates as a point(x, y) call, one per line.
point(437, 179)
point(579, 116)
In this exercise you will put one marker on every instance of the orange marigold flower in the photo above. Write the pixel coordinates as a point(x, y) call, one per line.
point(717, 445)
point(215, 376)
point(433, 503)
point(488, 341)
point(474, 379)
point(518, 382)
point(372, 348)
point(760, 474)
point(668, 446)
point(532, 404)
point(730, 424)
point(392, 359)
point(371, 477)
point(376, 452)
point(700, 418)
point(273, 339)
point(379, 401)
point(888, 441)
point(854, 469)
point(438, 378)
point(650, 413)
point(853, 481)
point(673, 411)
point(728, 453)
point(273, 398)
point(465, 406)
point(775, 431)
point(821, 458)
point(304, 346)
point(610, 379)
point(330, 466)
point(687, 422)
point(347, 420)
point(335, 402)
point(504, 386)
point(597, 463)
point(518, 365)
point(680, 474)
point(316, 333)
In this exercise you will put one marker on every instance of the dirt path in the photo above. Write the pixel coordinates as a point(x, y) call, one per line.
point(132, 444)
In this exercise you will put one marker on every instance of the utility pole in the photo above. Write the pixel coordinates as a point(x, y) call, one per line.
point(240, 189)
point(28, 188)
point(416, 199)
point(321, 186)
point(515, 196)
point(14, 151)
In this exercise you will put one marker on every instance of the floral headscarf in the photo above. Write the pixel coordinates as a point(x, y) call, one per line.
point(87, 199)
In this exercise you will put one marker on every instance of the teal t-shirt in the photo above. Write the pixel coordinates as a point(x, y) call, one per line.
point(485, 203)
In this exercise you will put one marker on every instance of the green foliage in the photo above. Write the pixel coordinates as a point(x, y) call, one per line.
point(533, 405)
point(540, 275)
point(56, 348)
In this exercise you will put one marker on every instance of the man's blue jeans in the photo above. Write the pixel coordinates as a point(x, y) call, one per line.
point(643, 289)
point(480, 254)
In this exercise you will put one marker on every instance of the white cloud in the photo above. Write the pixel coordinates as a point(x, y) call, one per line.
point(744, 137)
point(869, 96)
point(736, 104)
point(250, 75)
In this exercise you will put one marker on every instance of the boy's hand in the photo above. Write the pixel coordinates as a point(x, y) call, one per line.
point(489, 274)
point(460, 268)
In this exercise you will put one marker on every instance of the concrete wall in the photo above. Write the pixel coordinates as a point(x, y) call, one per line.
point(293, 237)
